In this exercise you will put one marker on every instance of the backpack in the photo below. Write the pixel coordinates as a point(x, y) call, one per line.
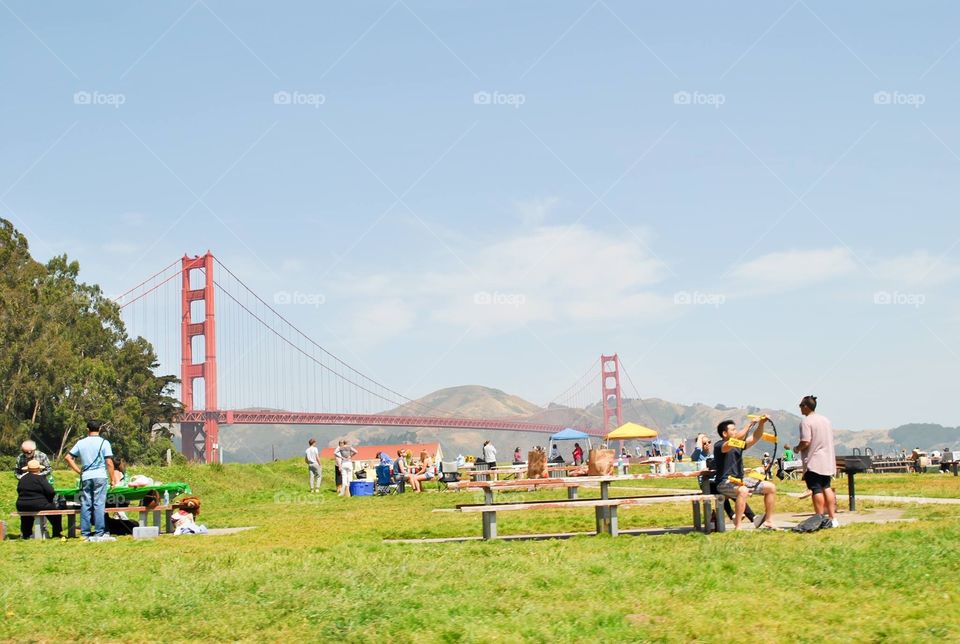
point(810, 524)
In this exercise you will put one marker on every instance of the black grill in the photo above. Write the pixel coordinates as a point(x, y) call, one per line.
point(854, 463)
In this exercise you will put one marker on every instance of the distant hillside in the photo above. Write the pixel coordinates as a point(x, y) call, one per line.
point(676, 422)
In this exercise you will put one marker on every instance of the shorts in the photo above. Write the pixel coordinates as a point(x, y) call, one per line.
point(816, 483)
point(729, 490)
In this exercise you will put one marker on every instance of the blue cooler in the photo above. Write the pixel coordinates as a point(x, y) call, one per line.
point(361, 488)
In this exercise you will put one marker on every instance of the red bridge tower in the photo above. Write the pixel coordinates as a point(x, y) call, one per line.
point(200, 440)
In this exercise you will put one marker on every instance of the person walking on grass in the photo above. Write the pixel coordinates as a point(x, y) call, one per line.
point(338, 461)
point(347, 452)
point(312, 458)
point(731, 481)
point(96, 458)
point(819, 461)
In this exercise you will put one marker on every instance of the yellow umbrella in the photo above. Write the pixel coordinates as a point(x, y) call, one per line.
point(628, 431)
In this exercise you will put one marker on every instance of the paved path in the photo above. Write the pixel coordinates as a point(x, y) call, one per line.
point(885, 498)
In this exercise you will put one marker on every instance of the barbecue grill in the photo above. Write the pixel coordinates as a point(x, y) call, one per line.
point(852, 464)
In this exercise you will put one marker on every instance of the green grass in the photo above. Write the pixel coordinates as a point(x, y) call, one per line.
point(316, 568)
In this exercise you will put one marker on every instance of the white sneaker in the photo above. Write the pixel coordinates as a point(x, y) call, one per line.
point(107, 537)
point(91, 539)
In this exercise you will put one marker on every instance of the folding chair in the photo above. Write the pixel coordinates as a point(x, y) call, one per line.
point(385, 483)
point(449, 473)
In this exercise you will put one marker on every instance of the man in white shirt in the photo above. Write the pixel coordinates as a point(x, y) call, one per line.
point(313, 464)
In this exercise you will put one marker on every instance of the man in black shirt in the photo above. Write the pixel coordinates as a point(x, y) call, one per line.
point(730, 478)
point(718, 459)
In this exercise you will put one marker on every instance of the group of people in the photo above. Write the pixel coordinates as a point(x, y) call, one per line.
point(403, 470)
point(92, 459)
point(817, 453)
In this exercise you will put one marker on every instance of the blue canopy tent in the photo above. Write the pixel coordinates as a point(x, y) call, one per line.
point(571, 434)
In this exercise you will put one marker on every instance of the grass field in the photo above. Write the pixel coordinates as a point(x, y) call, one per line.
point(316, 568)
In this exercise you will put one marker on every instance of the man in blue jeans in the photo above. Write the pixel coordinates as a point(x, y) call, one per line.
point(96, 458)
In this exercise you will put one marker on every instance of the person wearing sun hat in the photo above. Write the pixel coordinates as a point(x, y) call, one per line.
point(34, 494)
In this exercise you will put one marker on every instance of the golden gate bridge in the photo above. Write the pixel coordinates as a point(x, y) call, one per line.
point(242, 362)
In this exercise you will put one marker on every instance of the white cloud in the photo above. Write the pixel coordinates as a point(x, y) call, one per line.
point(792, 269)
point(533, 212)
point(918, 268)
point(560, 274)
point(384, 319)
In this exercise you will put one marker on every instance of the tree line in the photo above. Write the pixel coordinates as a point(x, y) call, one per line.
point(65, 357)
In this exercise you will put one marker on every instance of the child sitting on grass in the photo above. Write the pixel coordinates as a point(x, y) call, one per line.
point(184, 517)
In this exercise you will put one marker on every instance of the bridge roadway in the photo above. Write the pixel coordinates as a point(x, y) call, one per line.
point(240, 417)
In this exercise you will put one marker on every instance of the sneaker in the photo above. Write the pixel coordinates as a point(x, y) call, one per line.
point(758, 520)
point(91, 539)
point(827, 522)
point(107, 537)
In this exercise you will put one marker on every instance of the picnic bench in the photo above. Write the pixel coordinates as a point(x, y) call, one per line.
point(605, 507)
point(40, 525)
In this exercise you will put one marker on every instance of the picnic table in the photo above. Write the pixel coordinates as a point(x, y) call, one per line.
point(605, 507)
point(121, 496)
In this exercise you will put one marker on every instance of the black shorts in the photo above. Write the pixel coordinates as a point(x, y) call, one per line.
point(339, 477)
point(816, 483)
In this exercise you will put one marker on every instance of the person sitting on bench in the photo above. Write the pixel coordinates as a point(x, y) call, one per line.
point(730, 480)
point(709, 484)
point(35, 494)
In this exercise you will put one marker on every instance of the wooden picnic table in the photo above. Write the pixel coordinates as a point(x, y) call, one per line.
point(605, 507)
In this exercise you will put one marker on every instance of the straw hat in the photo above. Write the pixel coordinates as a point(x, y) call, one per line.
point(33, 465)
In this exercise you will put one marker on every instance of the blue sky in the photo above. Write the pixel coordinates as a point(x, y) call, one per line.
point(747, 203)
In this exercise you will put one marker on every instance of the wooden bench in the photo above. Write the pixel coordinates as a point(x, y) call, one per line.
point(605, 509)
point(571, 483)
point(40, 525)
